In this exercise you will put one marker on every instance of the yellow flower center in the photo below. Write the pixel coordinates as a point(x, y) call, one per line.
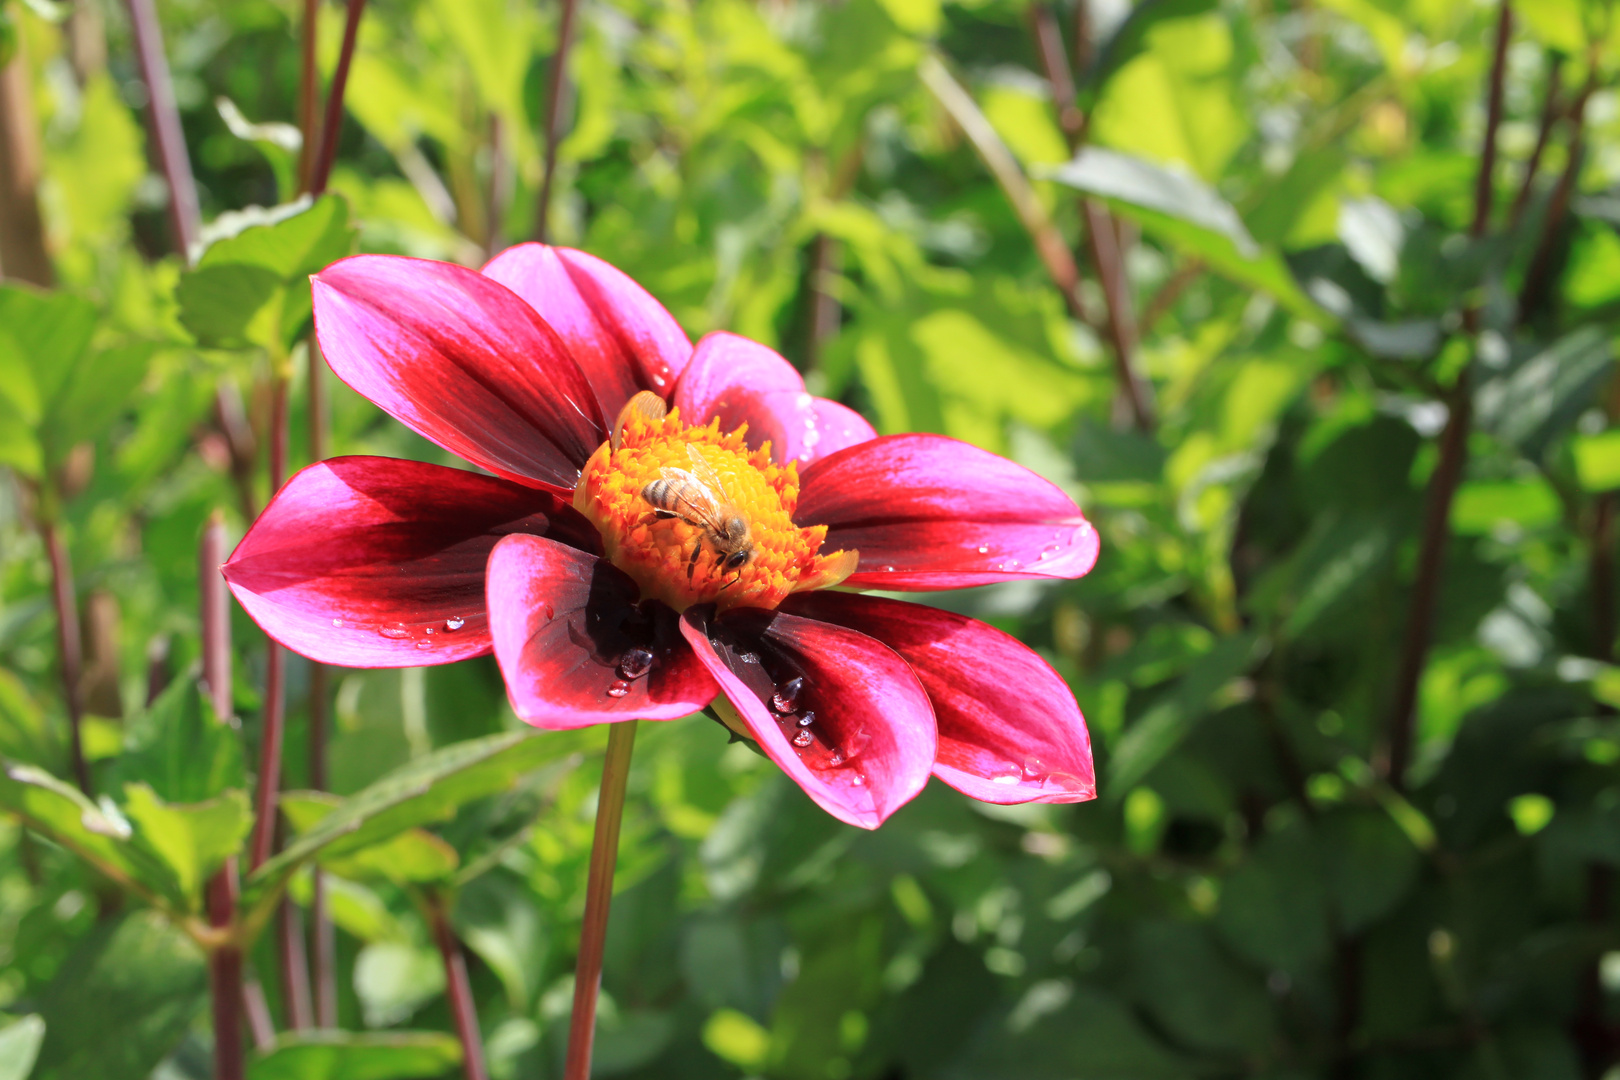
point(695, 517)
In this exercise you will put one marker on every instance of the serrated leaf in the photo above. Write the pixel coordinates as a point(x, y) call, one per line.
point(192, 839)
point(428, 788)
point(344, 1055)
point(180, 747)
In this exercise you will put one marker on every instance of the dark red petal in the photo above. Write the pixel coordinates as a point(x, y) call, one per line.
point(873, 733)
point(743, 382)
point(374, 562)
point(928, 512)
point(461, 360)
point(1009, 728)
point(565, 625)
point(621, 337)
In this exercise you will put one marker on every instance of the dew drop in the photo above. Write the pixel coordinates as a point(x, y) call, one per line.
point(337, 622)
point(635, 663)
point(1035, 771)
point(786, 698)
point(803, 738)
point(749, 658)
point(859, 779)
point(618, 688)
point(1010, 773)
point(454, 623)
point(807, 719)
point(836, 758)
point(427, 629)
point(395, 631)
point(546, 610)
point(424, 644)
point(984, 549)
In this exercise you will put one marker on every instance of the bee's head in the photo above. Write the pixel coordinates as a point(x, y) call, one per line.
point(739, 559)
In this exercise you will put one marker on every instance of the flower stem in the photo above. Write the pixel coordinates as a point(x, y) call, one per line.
point(556, 82)
point(598, 895)
point(67, 648)
point(462, 1006)
point(334, 100)
point(309, 93)
point(164, 116)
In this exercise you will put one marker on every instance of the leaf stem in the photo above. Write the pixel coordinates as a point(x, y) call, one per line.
point(1483, 189)
point(264, 823)
point(309, 92)
point(67, 648)
point(462, 1006)
point(322, 170)
point(164, 116)
point(1538, 279)
point(555, 84)
point(598, 897)
point(1549, 117)
point(225, 979)
point(23, 254)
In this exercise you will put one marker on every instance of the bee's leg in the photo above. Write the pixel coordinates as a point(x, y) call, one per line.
point(691, 565)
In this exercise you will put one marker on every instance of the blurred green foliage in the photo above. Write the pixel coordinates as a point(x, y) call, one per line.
point(1252, 894)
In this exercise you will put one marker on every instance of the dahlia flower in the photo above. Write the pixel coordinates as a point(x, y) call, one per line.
point(657, 528)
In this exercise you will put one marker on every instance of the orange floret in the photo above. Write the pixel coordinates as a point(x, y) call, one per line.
point(677, 555)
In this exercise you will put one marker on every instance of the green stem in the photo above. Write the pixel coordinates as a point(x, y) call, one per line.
point(598, 895)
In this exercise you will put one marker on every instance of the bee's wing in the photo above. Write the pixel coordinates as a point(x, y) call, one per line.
point(695, 500)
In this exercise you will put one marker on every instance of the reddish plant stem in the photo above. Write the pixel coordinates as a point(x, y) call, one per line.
point(309, 92)
point(598, 898)
point(294, 966)
point(164, 117)
point(225, 962)
point(1483, 200)
point(1084, 50)
point(67, 649)
point(23, 254)
point(258, 1013)
point(225, 979)
point(556, 83)
point(1162, 301)
point(1537, 287)
point(264, 824)
point(462, 1007)
point(1549, 117)
point(1103, 233)
point(323, 943)
point(333, 124)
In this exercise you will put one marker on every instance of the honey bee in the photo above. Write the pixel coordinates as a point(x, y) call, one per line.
point(697, 497)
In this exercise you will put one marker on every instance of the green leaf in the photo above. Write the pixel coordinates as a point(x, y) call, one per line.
point(250, 288)
point(1370, 862)
point(1533, 401)
point(121, 1001)
point(414, 856)
point(180, 748)
point(194, 839)
point(1274, 907)
point(1135, 181)
point(428, 788)
point(50, 332)
point(1597, 460)
point(1481, 506)
point(344, 1055)
point(100, 389)
point(1198, 994)
point(395, 978)
point(1163, 727)
point(19, 1046)
point(498, 919)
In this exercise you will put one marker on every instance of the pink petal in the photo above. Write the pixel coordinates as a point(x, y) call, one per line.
point(565, 625)
point(373, 562)
point(462, 361)
point(621, 337)
point(927, 512)
point(1009, 728)
point(743, 382)
point(873, 735)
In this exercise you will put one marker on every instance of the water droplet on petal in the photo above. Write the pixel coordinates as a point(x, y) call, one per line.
point(427, 629)
point(395, 631)
point(454, 623)
point(424, 644)
point(1035, 771)
point(1009, 773)
point(984, 549)
point(807, 719)
point(836, 758)
point(618, 688)
point(803, 738)
point(749, 658)
point(546, 610)
point(859, 779)
point(635, 663)
point(337, 622)
point(786, 698)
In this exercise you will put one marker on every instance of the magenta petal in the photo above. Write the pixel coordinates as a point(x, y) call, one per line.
point(1009, 728)
point(743, 382)
point(567, 629)
point(461, 360)
point(872, 734)
point(621, 337)
point(928, 512)
point(373, 562)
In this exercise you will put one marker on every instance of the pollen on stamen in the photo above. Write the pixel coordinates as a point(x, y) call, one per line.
point(686, 549)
